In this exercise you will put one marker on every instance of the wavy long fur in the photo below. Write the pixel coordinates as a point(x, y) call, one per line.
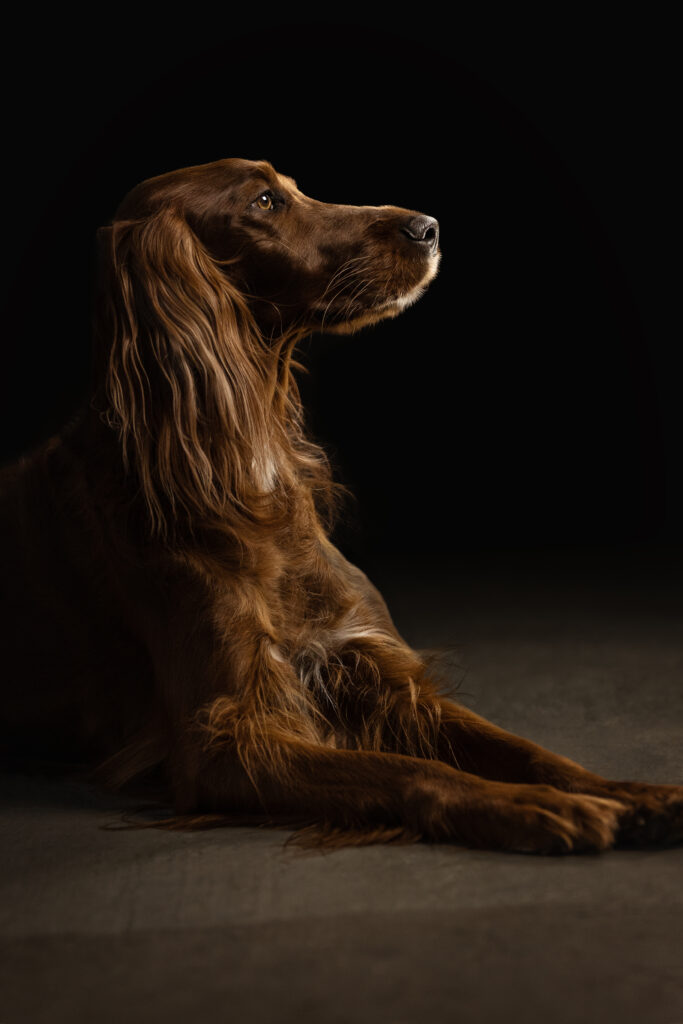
point(207, 412)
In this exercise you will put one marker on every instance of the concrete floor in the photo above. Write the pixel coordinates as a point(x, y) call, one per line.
point(100, 925)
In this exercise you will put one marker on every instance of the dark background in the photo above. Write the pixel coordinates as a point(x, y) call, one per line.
point(530, 401)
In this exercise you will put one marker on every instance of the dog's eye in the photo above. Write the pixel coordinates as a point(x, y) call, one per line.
point(265, 201)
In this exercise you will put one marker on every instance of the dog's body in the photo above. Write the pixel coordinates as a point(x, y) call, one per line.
point(171, 597)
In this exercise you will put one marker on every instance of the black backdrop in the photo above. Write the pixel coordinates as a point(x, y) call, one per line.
point(530, 399)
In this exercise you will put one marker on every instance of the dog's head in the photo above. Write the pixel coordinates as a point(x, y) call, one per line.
point(301, 264)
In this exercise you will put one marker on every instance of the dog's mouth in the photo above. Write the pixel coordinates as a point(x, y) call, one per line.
point(408, 298)
point(370, 309)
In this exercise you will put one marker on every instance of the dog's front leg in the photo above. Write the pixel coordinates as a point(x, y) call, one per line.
point(355, 796)
point(415, 710)
point(414, 718)
point(655, 812)
point(243, 738)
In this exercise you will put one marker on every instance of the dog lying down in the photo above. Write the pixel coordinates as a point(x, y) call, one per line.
point(172, 600)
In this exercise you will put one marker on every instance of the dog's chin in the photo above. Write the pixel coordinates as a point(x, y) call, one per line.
point(388, 308)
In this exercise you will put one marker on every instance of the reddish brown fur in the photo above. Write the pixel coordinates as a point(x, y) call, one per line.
point(175, 600)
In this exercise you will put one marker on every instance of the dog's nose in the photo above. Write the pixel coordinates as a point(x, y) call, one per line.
point(422, 229)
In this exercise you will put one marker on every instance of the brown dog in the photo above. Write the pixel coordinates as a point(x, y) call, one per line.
point(171, 596)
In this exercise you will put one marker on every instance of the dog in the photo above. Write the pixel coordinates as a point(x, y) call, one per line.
point(172, 600)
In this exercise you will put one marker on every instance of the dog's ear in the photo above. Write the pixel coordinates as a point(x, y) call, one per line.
point(181, 368)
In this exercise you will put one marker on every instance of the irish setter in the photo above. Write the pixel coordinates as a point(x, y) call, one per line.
point(172, 597)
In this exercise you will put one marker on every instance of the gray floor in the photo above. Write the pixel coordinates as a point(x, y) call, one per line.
point(101, 925)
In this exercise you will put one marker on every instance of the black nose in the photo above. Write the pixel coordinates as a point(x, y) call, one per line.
point(424, 230)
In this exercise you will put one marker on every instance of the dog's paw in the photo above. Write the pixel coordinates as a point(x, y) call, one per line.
point(540, 819)
point(653, 815)
point(571, 822)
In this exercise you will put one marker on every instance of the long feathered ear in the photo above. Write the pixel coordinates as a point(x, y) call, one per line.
point(183, 371)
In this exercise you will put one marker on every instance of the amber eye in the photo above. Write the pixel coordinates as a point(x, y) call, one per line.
point(265, 201)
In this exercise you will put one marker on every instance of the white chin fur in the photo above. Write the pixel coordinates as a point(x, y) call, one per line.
point(390, 308)
point(403, 301)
